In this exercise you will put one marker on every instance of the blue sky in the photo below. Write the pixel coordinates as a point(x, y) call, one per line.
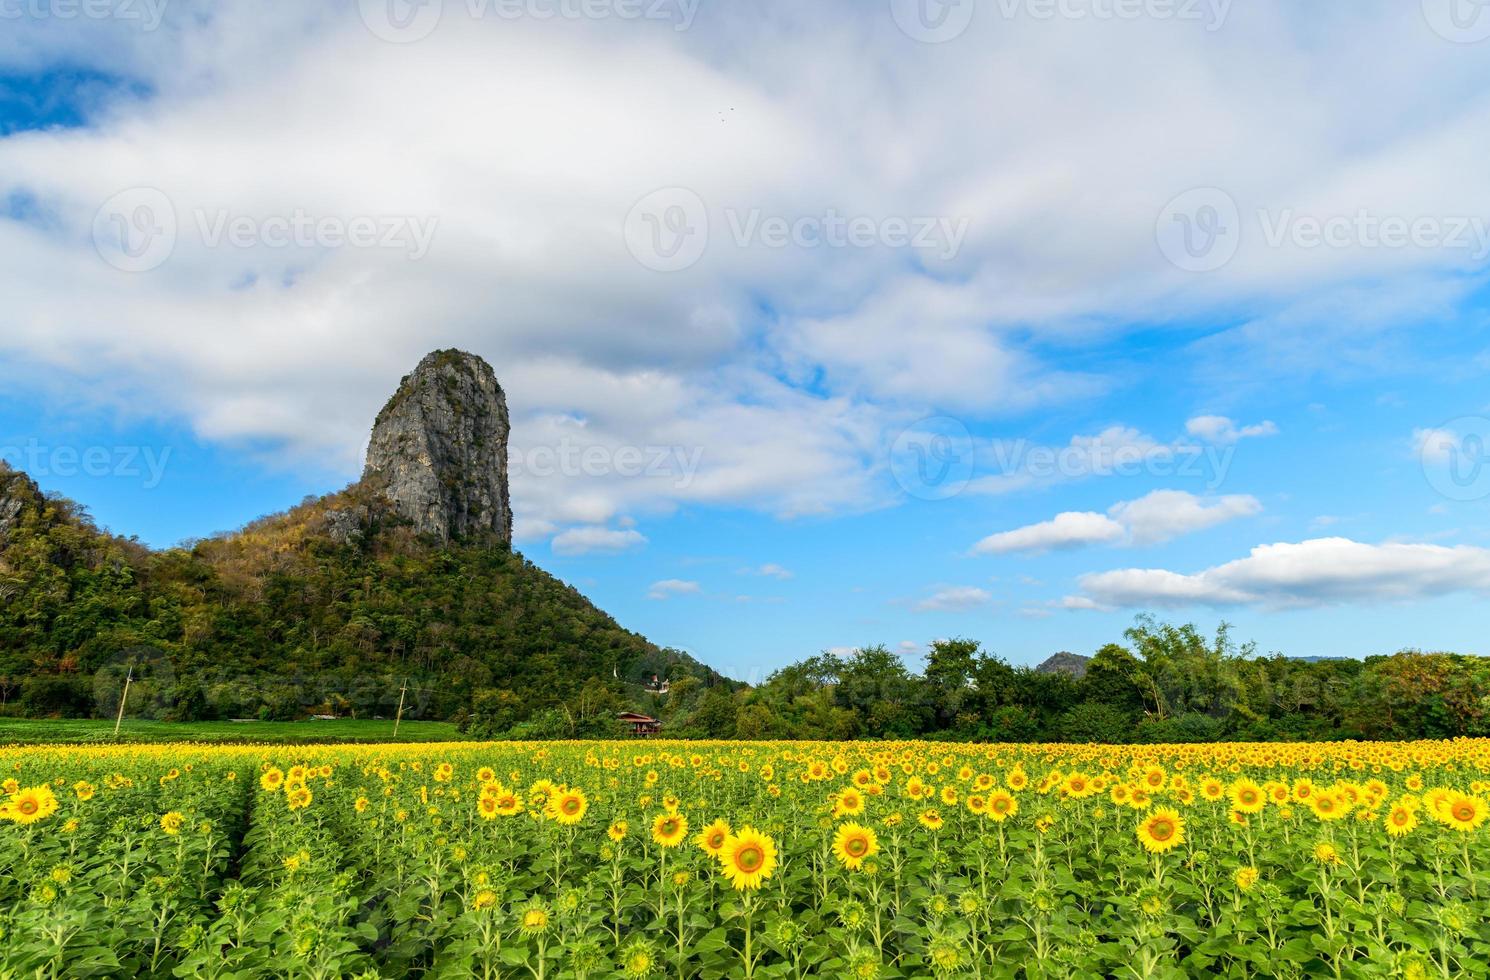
point(1176, 315)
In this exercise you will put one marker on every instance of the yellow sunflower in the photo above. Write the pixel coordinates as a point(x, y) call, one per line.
point(567, 806)
point(1401, 821)
point(1465, 813)
point(713, 838)
point(749, 858)
point(1001, 805)
point(27, 806)
point(853, 843)
point(1162, 830)
point(848, 803)
point(669, 829)
point(1247, 796)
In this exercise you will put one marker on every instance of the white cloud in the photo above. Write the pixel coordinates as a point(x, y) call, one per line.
point(585, 540)
point(1317, 572)
point(953, 598)
point(669, 587)
point(1167, 514)
point(773, 570)
point(1069, 530)
point(787, 367)
point(1152, 519)
point(1222, 431)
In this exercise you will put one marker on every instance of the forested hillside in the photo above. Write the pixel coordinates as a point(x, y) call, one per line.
point(328, 608)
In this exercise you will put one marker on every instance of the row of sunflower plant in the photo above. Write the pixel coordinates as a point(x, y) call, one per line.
point(779, 860)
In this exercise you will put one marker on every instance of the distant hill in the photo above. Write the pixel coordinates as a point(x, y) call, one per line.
point(327, 608)
point(1065, 663)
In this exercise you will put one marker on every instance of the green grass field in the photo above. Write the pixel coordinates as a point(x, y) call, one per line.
point(41, 731)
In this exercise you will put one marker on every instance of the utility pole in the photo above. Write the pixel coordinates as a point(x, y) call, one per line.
point(122, 698)
point(400, 716)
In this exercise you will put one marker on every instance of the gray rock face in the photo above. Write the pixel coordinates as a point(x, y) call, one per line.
point(16, 491)
point(439, 449)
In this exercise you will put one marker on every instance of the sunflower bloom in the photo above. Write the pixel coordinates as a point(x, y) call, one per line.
point(713, 838)
point(853, 844)
point(28, 806)
point(749, 858)
point(669, 829)
point(1162, 830)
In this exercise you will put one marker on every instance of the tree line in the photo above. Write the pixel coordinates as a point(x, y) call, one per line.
point(1163, 683)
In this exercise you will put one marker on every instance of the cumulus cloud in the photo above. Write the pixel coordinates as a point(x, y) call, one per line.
point(1152, 519)
point(1070, 530)
point(1167, 514)
point(669, 587)
point(1317, 572)
point(1222, 431)
point(790, 368)
point(587, 540)
point(953, 598)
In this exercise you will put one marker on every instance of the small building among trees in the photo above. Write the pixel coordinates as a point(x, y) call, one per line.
point(642, 726)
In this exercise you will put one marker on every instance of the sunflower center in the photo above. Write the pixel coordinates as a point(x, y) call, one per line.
point(571, 806)
point(749, 858)
point(1464, 812)
point(29, 807)
point(1162, 830)
point(856, 846)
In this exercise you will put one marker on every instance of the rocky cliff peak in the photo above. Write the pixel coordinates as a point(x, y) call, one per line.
point(17, 491)
point(439, 449)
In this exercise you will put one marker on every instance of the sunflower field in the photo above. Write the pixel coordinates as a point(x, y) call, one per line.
point(732, 859)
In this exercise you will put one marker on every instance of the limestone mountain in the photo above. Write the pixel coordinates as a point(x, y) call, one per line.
point(406, 574)
point(1065, 663)
point(439, 449)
